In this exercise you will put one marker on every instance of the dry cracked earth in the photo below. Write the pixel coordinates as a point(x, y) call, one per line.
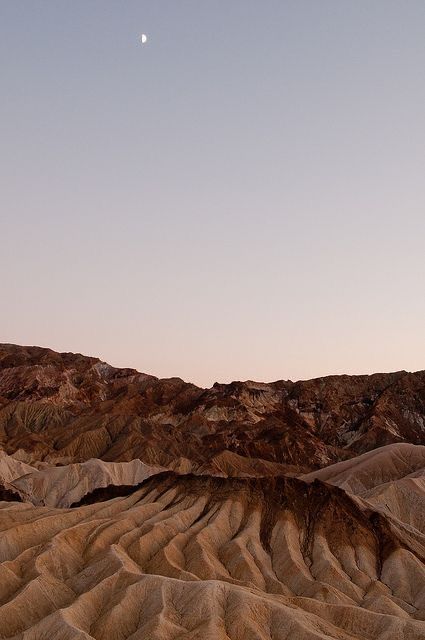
point(138, 508)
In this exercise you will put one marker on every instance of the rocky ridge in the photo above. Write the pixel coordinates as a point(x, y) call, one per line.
point(62, 408)
point(135, 508)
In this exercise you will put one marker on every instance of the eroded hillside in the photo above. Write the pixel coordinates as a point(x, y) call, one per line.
point(133, 508)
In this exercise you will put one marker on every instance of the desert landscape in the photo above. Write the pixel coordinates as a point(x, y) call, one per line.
point(212, 219)
point(145, 508)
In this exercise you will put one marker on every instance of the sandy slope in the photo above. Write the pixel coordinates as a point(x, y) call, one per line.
point(214, 558)
point(62, 486)
point(10, 468)
point(374, 468)
point(390, 479)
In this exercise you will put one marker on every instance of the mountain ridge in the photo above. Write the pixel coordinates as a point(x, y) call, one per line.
point(134, 507)
point(69, 407)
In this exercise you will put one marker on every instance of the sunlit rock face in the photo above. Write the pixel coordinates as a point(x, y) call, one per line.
point(137, 508)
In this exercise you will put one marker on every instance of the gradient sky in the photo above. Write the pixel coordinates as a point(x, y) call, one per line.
point(243, 197)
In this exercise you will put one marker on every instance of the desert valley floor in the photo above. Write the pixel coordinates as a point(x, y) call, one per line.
point(140, 508)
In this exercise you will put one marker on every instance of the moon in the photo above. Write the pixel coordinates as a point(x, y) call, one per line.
point(143, 38)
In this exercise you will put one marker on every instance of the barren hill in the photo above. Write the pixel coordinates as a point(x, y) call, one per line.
point(212, 559)
point(133, 508)
point(70, 408)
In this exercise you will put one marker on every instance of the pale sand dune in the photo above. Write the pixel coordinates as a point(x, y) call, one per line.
point(211, 558)
point(374, 468)
point(65, 485)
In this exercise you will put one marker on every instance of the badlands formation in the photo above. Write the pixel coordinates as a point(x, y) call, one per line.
point(138, 508)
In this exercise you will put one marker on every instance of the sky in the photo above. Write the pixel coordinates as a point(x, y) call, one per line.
point(242, 197)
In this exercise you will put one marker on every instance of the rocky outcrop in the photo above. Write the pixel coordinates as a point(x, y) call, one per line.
point(62, 408)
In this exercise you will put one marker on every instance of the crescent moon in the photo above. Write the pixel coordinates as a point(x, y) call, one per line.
point(144, 38)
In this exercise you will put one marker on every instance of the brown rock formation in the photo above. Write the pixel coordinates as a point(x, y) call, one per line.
point(99, 541)
point(215, 558)
point(70, 408)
